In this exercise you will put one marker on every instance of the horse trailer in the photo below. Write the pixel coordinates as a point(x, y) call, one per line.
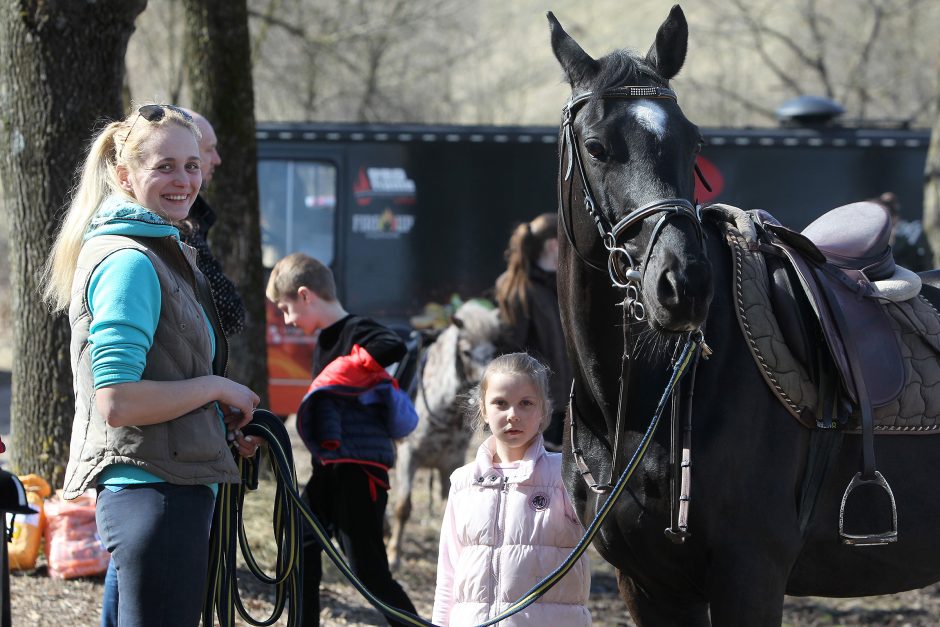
point(406, 215)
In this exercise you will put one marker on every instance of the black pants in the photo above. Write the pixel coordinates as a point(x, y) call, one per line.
point(350, 500)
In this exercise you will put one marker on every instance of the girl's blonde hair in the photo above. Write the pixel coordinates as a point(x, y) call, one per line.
point(522, 253)
point(515, 364)
point(117, 144)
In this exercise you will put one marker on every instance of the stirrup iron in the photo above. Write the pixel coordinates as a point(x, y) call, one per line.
point(869, 539)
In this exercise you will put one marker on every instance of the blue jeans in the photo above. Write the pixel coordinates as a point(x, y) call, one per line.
point(158, 536)
point(109, 600)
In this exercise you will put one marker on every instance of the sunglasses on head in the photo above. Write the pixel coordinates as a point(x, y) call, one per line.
point(153, 113)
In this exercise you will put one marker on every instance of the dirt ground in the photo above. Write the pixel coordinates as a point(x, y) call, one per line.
point(37, 599)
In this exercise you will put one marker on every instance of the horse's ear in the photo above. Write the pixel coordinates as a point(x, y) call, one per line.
point(577, 64)
point(672, 41)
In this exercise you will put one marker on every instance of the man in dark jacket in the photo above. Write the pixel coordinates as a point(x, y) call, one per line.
point(194, 230)
point(348, 433)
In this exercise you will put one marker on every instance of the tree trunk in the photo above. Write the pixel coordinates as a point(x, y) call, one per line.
point(219, 54)
point(932, 186)
point(61, 71)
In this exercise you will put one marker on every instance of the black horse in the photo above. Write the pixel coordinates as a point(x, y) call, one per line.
point(634, 162)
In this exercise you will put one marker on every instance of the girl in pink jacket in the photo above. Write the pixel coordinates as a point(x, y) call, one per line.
point(509, 521)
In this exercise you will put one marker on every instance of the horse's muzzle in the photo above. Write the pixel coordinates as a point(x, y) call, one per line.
point(679, 294)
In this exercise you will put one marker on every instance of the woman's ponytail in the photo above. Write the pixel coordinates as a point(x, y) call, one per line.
point(97, 179)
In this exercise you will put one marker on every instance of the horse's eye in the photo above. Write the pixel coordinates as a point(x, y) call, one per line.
point(595, 149)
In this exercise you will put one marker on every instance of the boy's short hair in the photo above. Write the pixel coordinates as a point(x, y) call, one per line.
point(299, 270)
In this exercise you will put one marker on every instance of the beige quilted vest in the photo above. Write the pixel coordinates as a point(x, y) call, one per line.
point(188, 450)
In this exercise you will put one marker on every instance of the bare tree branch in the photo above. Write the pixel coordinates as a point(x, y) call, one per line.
point(854, 79)
point(757, 32)
point(735, 96)
point(818, 62)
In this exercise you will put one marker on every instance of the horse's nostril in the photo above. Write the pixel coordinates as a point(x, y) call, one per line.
point(682, 295)
point(667, 289)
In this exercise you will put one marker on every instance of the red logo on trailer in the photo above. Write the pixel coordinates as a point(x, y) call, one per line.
point(713, 175)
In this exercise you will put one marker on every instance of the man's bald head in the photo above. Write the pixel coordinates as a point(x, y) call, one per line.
point(207, 146)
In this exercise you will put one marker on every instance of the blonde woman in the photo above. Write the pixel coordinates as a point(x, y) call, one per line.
point(153, 411)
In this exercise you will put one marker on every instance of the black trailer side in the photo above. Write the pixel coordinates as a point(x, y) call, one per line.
point(407, 214)
point(413, 214)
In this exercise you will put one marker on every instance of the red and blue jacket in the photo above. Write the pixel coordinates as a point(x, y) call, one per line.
point(353, 411)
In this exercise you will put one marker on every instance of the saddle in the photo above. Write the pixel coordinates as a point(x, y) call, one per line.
point(838, 331)
point(842, 265)
point(825, 310)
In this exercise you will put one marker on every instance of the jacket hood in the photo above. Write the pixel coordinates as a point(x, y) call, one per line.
point(122, 215)
point(356, 371)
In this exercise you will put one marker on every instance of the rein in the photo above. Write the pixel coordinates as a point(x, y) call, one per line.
point(290, 509)
point(627, 274)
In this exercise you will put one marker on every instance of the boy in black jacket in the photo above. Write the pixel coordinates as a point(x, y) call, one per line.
point(348, 490)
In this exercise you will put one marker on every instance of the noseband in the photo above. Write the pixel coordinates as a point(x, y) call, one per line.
point(624, 271)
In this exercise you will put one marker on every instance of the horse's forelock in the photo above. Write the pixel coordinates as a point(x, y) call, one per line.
point(625, 67)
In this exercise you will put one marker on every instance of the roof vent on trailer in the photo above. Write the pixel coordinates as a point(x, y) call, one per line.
point(808, 111)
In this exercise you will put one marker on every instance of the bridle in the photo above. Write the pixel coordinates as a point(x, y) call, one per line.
point(627, 274)
point(623, 270)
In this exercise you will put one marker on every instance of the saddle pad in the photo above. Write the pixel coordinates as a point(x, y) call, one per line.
point(917, 410)
point(782, 371)
point(916, 322)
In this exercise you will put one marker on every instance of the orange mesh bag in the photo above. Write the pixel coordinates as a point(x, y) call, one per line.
point(73, 548)
point(23, 549)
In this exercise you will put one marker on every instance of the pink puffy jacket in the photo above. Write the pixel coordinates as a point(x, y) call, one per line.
point(501, 536)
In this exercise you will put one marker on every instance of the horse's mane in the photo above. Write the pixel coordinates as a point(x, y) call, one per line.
point(625, 67)
point(440, 380)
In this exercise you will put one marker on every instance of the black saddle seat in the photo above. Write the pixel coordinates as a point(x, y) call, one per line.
point(856, 237)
